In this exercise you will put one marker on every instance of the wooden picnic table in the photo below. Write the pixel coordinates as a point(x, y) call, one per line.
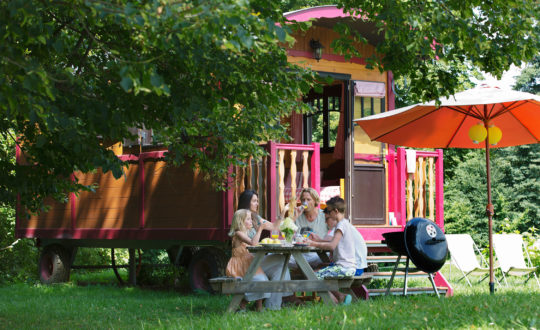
point(311, 283)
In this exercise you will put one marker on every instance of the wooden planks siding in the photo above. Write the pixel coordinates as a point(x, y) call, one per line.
point(115, 204)
point(59, 216)
point(178, 197)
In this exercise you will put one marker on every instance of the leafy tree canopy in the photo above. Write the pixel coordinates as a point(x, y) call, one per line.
point(529, 79)
point(209, 77)
point(434, 42)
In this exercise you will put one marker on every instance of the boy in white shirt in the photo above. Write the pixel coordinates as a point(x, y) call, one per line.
point(342, 245)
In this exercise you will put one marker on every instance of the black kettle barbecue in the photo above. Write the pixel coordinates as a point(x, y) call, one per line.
point(424, 243)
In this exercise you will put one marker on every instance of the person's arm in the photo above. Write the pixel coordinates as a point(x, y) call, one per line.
point(280, 218)
point(314, 237)
point(331, 246)
point(251, 241)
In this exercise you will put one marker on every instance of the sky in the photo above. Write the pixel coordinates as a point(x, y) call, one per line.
point(507, 80)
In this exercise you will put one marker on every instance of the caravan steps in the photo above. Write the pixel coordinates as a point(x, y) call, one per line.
point(411, 290)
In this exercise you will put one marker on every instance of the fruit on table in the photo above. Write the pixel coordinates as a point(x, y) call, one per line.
point(270, 241)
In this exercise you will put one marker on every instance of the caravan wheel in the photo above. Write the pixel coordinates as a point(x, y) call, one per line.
point(54, 264)
point(206, 264)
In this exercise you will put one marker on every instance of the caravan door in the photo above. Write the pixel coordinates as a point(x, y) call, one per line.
point(366, 158)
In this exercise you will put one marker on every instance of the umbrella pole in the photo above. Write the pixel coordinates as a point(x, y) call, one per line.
point(489, 212)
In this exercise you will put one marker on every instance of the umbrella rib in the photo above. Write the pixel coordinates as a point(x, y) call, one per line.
point(456, 130)
point(467, 112)
point(526, 128)
point(407, 123)
point(490, 111)
point(511, 107)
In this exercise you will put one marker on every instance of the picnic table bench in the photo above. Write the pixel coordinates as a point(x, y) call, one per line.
point(238, 287)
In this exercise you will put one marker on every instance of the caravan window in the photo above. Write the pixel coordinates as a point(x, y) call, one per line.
point(322, 124)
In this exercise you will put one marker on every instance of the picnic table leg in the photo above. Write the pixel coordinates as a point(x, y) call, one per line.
point(235, 302)
point(310, 274)
point(284, 269)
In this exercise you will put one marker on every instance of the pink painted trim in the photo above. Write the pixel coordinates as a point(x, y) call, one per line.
point(420, 153)
point(307, 14)
point(402, 192)
point(129, 157)
point(205, 234)
point(328, 57)
point(439, 192)
point(375, 233)
point(143, 189)
point(17, 153)
point(298, 147)
point(316, 167)
point(440, 280)
point(73, 204)
point(271, 180)
point(228, 207)
point(390, 91)
point(368, 157)
point(153, 154)
point(392, 180)
point(144, 155)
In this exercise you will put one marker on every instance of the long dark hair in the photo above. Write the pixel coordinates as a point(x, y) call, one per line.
point(244, 200)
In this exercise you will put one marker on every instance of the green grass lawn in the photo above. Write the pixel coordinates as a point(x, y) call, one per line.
point(96, 301)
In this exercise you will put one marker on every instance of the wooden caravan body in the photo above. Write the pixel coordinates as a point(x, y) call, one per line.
point(159, 206)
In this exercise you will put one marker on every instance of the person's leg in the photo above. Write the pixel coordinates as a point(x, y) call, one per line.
point(313, 259)
point(251, 296)
point(272, 266)
point(339, 296)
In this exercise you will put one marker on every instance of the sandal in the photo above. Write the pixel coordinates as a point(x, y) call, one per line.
point(347, 300)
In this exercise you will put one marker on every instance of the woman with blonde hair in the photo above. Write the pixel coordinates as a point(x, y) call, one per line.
point(272, 264)
point(241, 258)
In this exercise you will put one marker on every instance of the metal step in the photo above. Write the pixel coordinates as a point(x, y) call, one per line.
point(380, 259)
point(414, 290)
point(387, 275)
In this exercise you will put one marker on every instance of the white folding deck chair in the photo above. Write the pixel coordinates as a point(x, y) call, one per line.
point(463, 253)
point(509, 252)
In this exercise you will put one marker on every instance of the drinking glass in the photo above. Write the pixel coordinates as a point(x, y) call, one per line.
point(274, 234)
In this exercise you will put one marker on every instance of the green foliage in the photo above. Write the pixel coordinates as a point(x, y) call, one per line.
point(150, 274)
point(403, 85)
point(530, 239)
point(208, 77)
point(529, 79)
point(99, 256)
point(430, 42)
point(17, 261)
point(211, 78)
point(514, 185)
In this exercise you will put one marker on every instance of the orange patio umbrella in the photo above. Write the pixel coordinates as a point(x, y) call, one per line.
point(483, 117)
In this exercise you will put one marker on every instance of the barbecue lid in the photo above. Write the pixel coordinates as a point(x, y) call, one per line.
point(426, 244)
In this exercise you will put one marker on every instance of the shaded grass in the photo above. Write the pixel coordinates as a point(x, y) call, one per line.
point(106, 305)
